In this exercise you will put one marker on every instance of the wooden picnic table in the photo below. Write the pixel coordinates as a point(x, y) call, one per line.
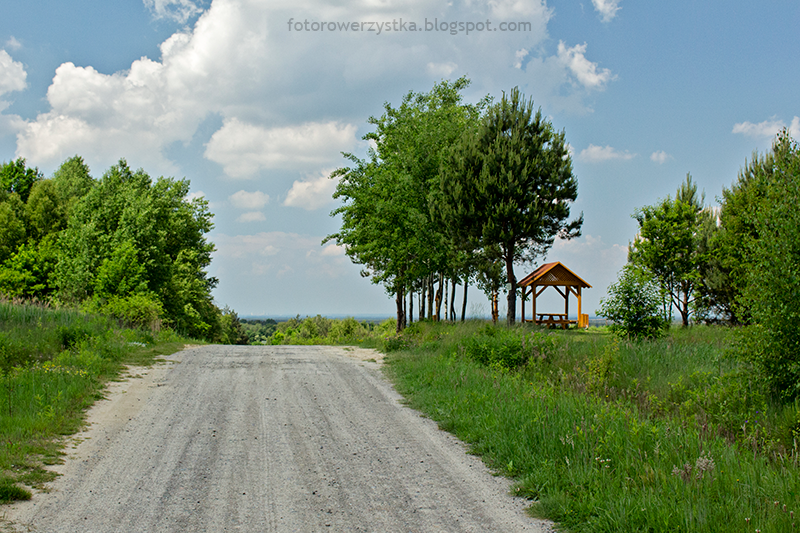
point(554, 319)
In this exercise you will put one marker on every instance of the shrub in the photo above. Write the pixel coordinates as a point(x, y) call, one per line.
point(506, 349)
point(633, 304)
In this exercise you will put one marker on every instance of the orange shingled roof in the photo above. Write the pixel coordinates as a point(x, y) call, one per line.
point(553, 274)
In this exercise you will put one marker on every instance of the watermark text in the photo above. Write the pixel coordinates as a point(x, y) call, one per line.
point(400, 25)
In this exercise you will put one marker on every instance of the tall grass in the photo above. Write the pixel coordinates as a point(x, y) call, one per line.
point(595, 430)
point(53, 365)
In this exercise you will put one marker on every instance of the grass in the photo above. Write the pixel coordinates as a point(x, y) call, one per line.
point(54, 364)
point(608, 435)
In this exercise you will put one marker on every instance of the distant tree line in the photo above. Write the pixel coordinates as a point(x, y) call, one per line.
point(124, 245)
point(452, 193)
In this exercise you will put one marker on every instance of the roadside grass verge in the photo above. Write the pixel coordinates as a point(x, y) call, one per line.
point(608, 435)
point(54, 364)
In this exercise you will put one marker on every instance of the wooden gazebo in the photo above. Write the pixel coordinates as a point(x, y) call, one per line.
point(557, 276)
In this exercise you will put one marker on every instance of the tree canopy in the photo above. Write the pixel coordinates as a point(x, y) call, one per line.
point(124, 245)
point(508, 183)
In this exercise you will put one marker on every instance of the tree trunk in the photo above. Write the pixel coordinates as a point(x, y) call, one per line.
point(511, 316)
point(495, 310)
point(430, 296)
point(411, 307)
point(405, 310)
point(439, 290)
point(453, 299)
point(422, 299)
point(464, 304)
point(399, 299)
point(446, 300)
point(684, 309)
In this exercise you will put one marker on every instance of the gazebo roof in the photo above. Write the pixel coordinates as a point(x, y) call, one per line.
point(553, 274)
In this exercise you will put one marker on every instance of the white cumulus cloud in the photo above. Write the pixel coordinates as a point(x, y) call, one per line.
point(251, 216)
point(660, 157)
point(312, 193)
point(513, 9)
point(586, 72)
point(599, 154)
point(607, 9)
point(768, 128)
point(12, 74)
point(178, 10)
point(249, 200)
point(243, 149)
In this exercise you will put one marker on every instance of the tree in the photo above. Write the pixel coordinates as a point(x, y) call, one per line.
point(131, 241)
point(730, 246)
point(44, 210)
point(387, 221)
point(72, 182)
point(667, 245)
point(508, 182)
point(633, 304)
point(16, 177)
point(771, 284)
point(12, 225)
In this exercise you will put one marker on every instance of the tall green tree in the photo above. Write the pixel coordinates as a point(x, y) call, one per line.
point(771, 283)
point(13, 231)
point(130, 239)
point(16, 176)
point(387, 222)
point(508, 182)
point(72, 182)
point(668, 246)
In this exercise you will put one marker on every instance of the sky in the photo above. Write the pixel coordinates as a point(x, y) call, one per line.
point(254, 101)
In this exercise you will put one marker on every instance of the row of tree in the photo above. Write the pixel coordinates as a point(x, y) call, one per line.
point(124, 245)
point(738, 264)
point(452, 192)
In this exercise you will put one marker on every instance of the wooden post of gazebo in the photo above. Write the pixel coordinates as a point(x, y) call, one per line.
point(554, 275)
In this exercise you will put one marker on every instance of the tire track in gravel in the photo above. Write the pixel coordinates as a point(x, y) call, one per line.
point(274, 439)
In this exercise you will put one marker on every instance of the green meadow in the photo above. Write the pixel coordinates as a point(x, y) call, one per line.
point(607, 434)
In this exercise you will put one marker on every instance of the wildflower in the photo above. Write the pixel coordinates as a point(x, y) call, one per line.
point(705, 463)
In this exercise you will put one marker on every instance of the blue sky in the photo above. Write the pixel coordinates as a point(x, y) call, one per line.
point(222, 92)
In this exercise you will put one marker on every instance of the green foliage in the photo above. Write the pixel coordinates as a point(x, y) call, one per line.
point(12, 225)
point(322, 330)
point(232, 330)
point(608, 435)
point(259, 331)
point(504, 349)
point(28, 273)
point(43, 210)
point(72, 182)
point(387, 220)
point(633, 304)
point(137, 247)
point(667, 245)
point(771, 292)
point(16, 177)
point(137, 310)
point(508, 183)
point(53, 366)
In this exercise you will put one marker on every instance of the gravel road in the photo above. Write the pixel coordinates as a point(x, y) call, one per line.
point(272, 439)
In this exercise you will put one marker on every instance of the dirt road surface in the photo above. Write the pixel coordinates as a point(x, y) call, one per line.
point(267, 439)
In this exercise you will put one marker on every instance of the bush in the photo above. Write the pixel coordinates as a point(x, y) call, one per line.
point(633, 304)
point(135, 310)
point(506, 349)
